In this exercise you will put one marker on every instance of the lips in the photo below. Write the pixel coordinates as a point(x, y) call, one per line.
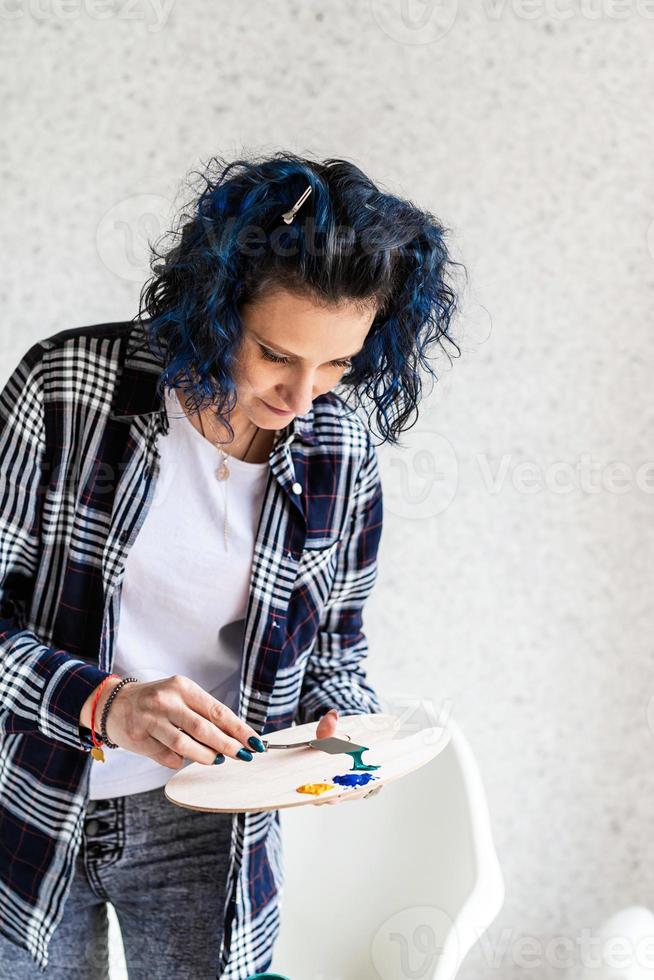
point(280, 411)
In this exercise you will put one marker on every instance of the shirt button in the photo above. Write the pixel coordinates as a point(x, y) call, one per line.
point(92, 827)
point(297, 488)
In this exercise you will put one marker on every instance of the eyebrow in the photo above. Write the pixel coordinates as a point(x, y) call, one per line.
point(289, 353)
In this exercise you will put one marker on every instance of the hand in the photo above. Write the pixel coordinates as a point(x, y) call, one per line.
point(146, 718)
point(327, 727)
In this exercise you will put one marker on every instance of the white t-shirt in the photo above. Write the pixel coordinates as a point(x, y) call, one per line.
point(184, 598)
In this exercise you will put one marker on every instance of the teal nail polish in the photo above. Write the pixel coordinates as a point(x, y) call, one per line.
point(245, 755)
point(266, 976)
point(256, 743)
point(219, 758)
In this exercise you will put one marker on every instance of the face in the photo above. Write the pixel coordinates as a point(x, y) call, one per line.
point(291, 352)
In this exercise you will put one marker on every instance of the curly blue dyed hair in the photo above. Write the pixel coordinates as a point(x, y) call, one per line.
point(349, 242)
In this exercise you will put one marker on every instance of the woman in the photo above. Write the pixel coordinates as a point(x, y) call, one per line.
point(190, 524)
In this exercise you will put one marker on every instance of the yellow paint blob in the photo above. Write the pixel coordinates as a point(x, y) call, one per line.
point(315, 788)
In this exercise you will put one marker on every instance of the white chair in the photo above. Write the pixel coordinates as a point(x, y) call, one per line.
point(622, 948)
point(398, 886)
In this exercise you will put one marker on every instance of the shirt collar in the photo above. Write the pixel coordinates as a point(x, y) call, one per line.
point(136, 390)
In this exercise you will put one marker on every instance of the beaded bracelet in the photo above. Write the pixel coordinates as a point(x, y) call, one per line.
point(105, 711)
point(96, 751)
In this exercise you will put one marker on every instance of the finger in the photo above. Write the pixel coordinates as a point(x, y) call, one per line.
point(160, 753)
point(327, 724)
point(215, 718)
point(182, 742)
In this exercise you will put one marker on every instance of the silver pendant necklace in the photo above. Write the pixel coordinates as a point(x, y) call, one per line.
point(222, 474)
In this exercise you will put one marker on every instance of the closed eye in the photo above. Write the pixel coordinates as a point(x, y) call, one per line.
point(279, 359)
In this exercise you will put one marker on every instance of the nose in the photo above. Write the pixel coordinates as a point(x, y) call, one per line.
point(299, 398)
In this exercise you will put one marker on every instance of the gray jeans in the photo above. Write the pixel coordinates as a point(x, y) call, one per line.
point(164, 869)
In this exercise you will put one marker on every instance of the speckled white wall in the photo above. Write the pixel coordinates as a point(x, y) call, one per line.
point(515, 570)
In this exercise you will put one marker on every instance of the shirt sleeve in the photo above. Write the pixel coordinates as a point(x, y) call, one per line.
point(335, 676)
point(41, 688)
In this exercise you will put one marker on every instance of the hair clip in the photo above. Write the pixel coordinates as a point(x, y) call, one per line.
point(289, 215)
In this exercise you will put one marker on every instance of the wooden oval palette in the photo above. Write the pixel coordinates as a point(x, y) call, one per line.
point(272, 779)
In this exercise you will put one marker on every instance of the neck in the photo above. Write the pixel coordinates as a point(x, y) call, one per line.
point(243, 446)
point(238, 446)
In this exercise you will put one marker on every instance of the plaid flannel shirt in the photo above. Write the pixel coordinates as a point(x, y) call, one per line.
point(79, 420)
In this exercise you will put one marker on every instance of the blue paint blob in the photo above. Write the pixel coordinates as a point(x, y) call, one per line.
point(353, 779)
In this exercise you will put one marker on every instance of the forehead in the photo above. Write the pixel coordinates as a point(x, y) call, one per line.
point(302, 326)
point(283, 303)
